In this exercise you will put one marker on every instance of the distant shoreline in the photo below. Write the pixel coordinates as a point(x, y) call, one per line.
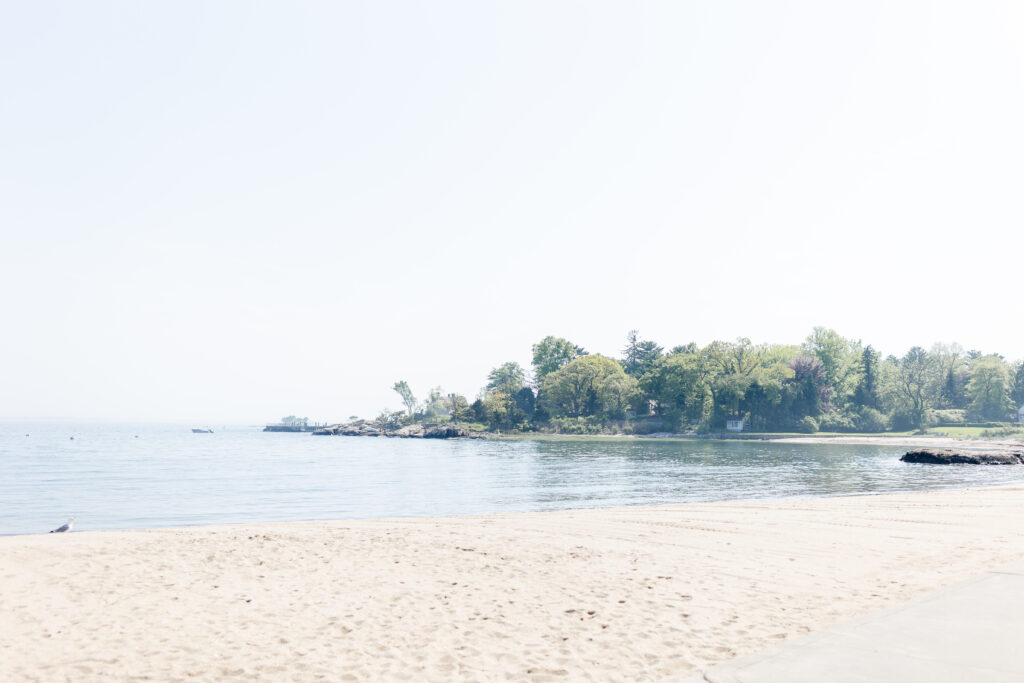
point(839, 439)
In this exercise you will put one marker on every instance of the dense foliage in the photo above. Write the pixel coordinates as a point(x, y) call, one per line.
point(828, 383)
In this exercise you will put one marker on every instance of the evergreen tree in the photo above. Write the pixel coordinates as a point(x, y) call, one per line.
point(639, 356)
point(866, 394)
point(631, 353)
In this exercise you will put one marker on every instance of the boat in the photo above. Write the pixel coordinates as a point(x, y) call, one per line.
point(201, 431)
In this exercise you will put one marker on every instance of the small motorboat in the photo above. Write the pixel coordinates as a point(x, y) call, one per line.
point(201, 431)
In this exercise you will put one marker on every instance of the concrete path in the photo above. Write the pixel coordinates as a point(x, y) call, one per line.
point(971, 631)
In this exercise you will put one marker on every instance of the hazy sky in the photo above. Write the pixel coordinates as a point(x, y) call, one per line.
point(241, 210)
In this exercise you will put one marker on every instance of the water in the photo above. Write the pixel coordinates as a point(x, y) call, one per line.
point(114, 476)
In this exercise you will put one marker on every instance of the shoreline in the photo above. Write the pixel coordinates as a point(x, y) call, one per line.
point(650, 591)
point(838, 439)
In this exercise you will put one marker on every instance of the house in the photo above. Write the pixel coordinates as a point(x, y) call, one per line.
point(735, 423)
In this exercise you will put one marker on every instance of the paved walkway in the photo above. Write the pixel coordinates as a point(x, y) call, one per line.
point(972, 631)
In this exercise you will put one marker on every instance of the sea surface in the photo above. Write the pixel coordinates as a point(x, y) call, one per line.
point(136, 476)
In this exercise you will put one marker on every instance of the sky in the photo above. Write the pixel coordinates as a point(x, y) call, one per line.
point(235, 211)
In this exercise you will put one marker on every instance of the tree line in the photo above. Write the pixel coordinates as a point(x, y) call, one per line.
point(827, 383)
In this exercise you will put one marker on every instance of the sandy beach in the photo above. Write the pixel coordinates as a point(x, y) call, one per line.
point(905, 441)
point(614, 594)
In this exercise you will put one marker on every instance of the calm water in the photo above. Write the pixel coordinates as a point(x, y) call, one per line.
point(167, 476)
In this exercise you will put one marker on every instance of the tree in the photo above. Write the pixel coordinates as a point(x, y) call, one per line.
point(408, 399)
point(676, 386)
point(631, 353)
point(574, 389)
point(526, 402)
point(989, 388)
point(508, 378)
point(866, 393)
point(951, 370)
point(648, 354)
point(553, 353)
point(915, 375)
point(497, 409)
point(1018, 385)
point(809, 393)
point(458, 407)
point(639, 356)
point(616, 393)
point(435, 404)
point(838, 356)
point(737, 365)
point(388, 421)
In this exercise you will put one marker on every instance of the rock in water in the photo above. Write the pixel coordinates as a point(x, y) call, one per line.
point(445, 432)
point(948, 456)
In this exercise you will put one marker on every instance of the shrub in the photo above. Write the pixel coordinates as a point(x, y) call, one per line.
point(903, 420)
point(871, 420)
point(575, 425)
point(1008, 430)
point(950, 417)
point(808, 425)
point(836, 422)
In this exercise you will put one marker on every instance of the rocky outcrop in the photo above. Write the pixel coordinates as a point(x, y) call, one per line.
point(449, 432)
point(413, 431)
point(947, 456)
point(357, 428)
point(409, 432)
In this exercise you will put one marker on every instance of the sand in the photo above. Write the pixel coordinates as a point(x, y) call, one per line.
point(617, 594)
point(905, 441)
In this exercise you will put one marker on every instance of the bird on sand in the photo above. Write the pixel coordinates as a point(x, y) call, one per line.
point(64, 527)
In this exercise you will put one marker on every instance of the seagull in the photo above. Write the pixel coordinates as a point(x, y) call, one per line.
point(64, 527)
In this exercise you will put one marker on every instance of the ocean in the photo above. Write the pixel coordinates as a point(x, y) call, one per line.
point(138, 476)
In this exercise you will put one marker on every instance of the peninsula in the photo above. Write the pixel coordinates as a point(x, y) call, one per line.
point(828, 385)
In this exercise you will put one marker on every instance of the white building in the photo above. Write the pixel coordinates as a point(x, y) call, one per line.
point(735, 424)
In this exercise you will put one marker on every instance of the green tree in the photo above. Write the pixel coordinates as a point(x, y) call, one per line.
point(574, 389)
point(676, 385)
point(553, 353)
point(915, 377)
point(616, 393)
point(388, 421)
point(458, 407)
point(1018, 385)
point(808, 394)
point(951, 369)
point(989, 387)
point(526, 402)
point(508, 378)
point(639, 356)
point(866, 393)
point(405, 392)
point(435, 404)
point(497, 409)
point(839, 357)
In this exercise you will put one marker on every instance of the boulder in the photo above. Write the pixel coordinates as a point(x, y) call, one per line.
point(947, 456)
point(446, 432)
point(413, 431)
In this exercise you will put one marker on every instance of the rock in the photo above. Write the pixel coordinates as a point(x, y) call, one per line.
point(446, 432)
point(357, 428)
point(414, 431)
point(948, 456)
